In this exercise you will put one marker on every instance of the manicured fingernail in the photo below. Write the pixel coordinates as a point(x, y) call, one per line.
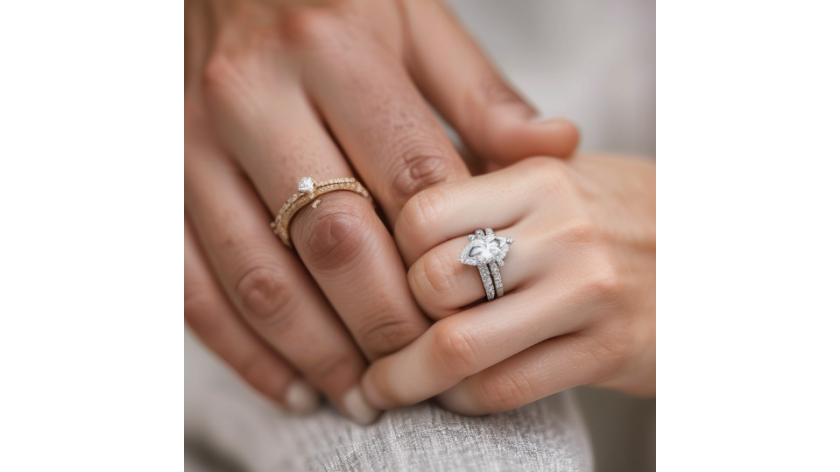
point(358, 408)
point(301, 398)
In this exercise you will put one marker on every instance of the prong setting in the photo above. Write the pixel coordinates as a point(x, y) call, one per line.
point(309, 192)
point(485, 248)
point(487, 252)
point(306, 185)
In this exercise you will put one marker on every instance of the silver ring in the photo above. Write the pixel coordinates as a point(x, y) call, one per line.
point(487, 252)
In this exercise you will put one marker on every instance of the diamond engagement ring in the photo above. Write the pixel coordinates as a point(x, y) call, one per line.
point(308, 192)
point(487, 252)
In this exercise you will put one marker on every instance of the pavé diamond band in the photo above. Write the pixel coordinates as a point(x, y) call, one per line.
point(487, 252)
point(308, 192)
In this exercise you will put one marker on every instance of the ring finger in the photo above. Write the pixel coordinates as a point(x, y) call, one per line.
point(456, 209)
point(348, 250)
point(265, 282)
point(442, 284)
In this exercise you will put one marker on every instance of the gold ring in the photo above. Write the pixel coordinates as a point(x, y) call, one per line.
point(308, 192)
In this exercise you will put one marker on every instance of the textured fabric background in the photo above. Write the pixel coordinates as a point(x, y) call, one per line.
point(248, 434)
point(590, 61)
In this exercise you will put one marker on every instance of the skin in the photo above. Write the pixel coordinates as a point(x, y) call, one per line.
point(580, 287)
point(279, 90)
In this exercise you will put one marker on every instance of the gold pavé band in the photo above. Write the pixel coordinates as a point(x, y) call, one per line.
point(280, 225)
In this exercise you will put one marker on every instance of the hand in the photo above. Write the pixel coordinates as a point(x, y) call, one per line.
point(580, 287)
point(276, 91)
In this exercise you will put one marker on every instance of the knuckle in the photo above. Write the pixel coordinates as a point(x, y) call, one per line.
point(221, 74)
point(603, 280)
point(336, 232)
point(265, 295)
point(456, 349)
point(201, 313)
point(421, 166)
point(425, 210)
point(607, 281)
point(310, 28)
point(505, 392)
point(433, 277)
point(580, 229)
point(384, 336)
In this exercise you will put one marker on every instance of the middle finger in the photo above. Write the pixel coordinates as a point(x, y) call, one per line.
point(381, 119)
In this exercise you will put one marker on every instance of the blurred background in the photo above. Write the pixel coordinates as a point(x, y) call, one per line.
point(593, 62)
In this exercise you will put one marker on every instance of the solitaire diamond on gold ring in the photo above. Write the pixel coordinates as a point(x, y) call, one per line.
point(308, 192)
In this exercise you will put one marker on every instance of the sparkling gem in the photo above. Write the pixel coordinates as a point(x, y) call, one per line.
point(484, 249)
point(306, 185)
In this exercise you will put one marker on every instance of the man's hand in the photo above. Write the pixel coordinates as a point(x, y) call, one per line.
point(276, 91)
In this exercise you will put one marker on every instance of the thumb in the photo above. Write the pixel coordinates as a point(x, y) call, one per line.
point(467, 90)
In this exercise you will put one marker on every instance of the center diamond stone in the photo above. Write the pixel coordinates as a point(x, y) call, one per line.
point(487, 252)
point(484, 249)
point(306, 185)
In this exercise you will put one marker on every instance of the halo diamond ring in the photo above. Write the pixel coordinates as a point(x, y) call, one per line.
point(487, 252)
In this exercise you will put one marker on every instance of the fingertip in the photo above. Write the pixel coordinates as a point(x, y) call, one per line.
point(553, 137)
point(372, 393)
point(302, 398)
point(562, 136)
point(358, 407)
point(513, 142)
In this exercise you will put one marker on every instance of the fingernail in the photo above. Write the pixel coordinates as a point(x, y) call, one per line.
point(373, 395)
point(301, 398)
point(358, 408)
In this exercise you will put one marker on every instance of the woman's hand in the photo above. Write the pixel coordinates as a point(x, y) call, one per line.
point(280, 90)
point(580, 287)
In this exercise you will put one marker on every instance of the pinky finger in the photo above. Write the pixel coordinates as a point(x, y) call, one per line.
point(212, 319)
point(549, 367)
